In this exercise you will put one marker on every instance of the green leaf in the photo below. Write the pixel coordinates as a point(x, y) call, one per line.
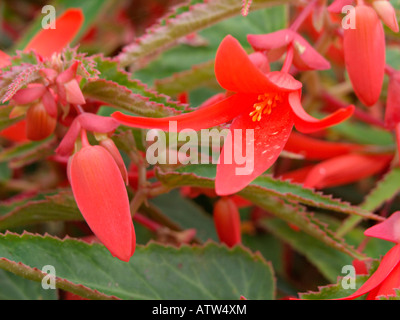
point(57, 206)
point(387, 188)
point(185, 214)
point(22, 154)
point(203, 176)
point(5, 120)
point(328, 260)
point(184, 58)
point(154, 272)
point(267, 196)
point(115, 88)
point(13, 287)
point(188, 19)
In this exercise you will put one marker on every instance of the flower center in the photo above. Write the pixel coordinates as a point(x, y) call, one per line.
point(267, 101)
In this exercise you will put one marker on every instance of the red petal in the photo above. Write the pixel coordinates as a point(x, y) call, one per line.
point(110, 146)
point(387, 287)
point(274, 40)
point(388, 230)
point(88, 121)
point(284, 81)
point(364, 52)
point(306, 57)
point(392, 113)
point(316, 149)
point(388, 263)
point(306, 123)
point(29, 94)
point(49, 41)
point(345, 169)
point(100, 193)
point(298, 175)
point(50, 104)
point(270, 136)
point(235, 71)
point(260, 61)
point(15, 132)
point(205, 117)
point(4, 59)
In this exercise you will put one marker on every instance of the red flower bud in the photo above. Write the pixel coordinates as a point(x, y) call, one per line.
point(364, 53)
point(39, 124)
point(101, 196)
point(227, 221)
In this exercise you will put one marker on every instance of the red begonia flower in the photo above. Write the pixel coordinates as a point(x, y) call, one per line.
point(266, 104)
point(345, 169)
point(227, 221)
point(276, 43)
point(364, 53)
point(100, 193)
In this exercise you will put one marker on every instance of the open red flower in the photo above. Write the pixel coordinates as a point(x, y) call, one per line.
point(386, 278)
point(266, 104)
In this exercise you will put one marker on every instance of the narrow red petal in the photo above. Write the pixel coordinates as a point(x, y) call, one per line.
point(49, 41)
point(235, 71)
point(345, 169)
point(316, 149)
point(364, 52)
point(207, 116)
point(15, 132)
point(387, 13)
point(306, 123)
point(100, 193)
point(388, 230)
point(50, 104)
point(388, 263)
point(67, 144)
point(270, 136)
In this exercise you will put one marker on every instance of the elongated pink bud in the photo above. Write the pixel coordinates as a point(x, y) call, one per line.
point(227, 221)
point(101, 196)
point(39, 124)
point(387, 13)
point(364, 53)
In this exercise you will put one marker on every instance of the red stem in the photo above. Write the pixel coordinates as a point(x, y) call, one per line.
point(146, 222)
point(303, 15)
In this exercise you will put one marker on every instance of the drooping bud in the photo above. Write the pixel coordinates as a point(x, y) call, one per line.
point(364, 53)
point(39, 124)
point(227, 221)
point(101, 196)
point(386, 12)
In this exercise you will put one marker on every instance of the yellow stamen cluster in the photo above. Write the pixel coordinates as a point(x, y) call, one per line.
point(267, 102)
